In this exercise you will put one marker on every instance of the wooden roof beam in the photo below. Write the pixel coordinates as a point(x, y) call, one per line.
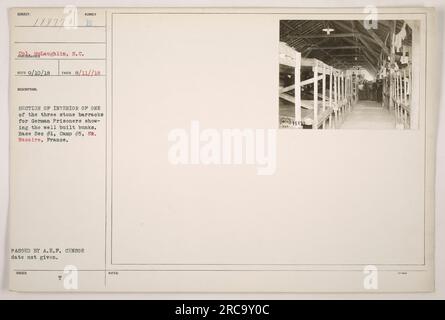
point(379, 41)
point(319, 36)
point(373, 37)
point(363, 39)
point(336, 47)
point(347, 55)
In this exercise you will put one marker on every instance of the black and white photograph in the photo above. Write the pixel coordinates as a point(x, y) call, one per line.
point(348, 74)
point(158, 152)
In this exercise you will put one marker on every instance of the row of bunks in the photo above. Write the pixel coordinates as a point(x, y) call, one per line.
point(401, 97)
point(315, 105)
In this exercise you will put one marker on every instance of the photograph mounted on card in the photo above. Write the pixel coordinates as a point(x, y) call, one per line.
point(222, 150)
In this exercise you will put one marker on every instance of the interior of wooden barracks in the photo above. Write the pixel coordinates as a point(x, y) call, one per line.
point(349, 74)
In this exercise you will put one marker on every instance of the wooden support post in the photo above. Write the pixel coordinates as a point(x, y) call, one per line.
point(347, 89)
point(392, 58)
point(341, 97)
point(338, 88)
point(395, 91)
point(297, 89)
point(330, 88)
point(335, 99)
point(400, 88)
point(405, 118)
point(344, 86)
point(395, 95)
point(323, 92)
point(405, 88)
point(330, 97)
point(400, 95)
point(389, 92)
point(315, 120)
point(349, 92)
point(405, 83)
point(340, 104)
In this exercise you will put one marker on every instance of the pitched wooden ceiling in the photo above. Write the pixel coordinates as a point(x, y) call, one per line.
point(350, 44)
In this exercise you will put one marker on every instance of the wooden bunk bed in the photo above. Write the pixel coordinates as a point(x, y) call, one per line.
point(401, 96)
point(328, 106)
